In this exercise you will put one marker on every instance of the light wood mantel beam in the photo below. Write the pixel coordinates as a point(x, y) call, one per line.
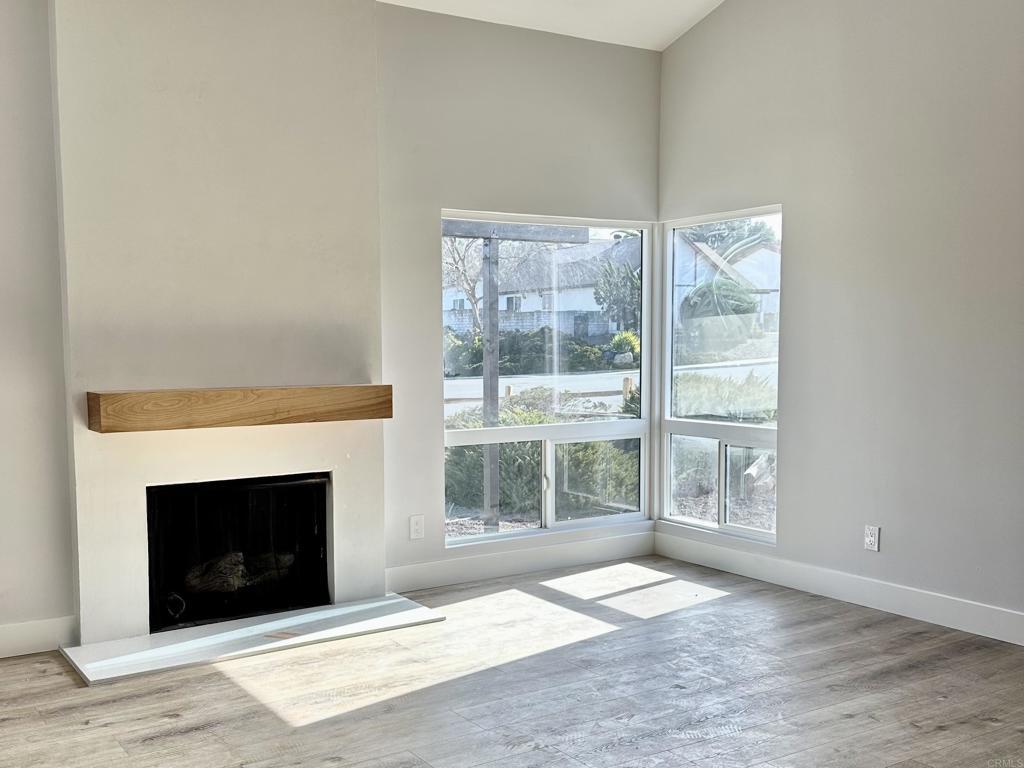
point(151, 410)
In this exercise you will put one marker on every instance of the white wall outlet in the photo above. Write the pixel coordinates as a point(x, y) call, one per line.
point(415, 526)
point(871, 533)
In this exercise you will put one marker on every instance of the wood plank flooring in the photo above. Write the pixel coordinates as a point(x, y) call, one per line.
point(646, 663)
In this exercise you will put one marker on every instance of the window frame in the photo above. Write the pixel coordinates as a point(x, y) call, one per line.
point(596, 431)
point(726, 433)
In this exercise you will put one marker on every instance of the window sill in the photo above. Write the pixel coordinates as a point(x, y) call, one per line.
point(683, 528)
point(581, 529)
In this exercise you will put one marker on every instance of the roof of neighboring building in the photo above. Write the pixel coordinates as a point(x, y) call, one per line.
point(574, 266)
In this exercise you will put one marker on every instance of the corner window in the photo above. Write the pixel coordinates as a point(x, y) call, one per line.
point(543, 374)
point(722, 372)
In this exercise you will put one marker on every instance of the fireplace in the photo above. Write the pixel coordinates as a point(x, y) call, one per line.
point(234, 548)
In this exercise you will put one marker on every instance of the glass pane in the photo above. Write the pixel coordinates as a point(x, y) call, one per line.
point(694, 478)
point(541, 323)
point(750, 474)
point(725, 320)
point(596, 479)
point(481, 500)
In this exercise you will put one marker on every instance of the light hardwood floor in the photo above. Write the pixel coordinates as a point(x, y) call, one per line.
point(645, 663)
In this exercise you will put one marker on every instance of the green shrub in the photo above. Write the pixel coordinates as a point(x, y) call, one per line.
point(531, 406)
point(605, 471)
point(463, 355)
point(519, 464)
point(519, 478)
point(522, 353)
point(751, 399)
point(583, 357)
point(600, 477)
point(626, 341)
point(596, 478)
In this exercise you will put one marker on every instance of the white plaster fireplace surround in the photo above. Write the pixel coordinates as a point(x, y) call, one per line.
point(220, 229)
point(114, 471)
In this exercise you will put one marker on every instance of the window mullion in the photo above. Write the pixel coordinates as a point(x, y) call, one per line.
point(548, 496)
point(723, 484)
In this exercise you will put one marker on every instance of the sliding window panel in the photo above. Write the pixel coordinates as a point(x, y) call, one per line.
point(693, 475)
point(493, 488)
point(595, 479)
point(750, 484)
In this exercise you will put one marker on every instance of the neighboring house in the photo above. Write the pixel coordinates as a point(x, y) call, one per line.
point(554, 290)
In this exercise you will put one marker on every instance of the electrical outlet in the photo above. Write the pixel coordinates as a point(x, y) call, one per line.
point(415, 526)
point(871, 533)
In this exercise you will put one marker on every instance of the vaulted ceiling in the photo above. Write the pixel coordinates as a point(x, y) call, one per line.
point(652, 24)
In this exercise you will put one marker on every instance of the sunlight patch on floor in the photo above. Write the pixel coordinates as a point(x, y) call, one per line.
point(599, 582)
point(418, 664)
point(664, 598)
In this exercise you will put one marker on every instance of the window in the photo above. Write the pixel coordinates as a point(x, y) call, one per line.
point(722, 366)
point(750, 479)
point(544, 424)
point(458, 304)
point(596, 479)
point(693, 467)
point(478, 501)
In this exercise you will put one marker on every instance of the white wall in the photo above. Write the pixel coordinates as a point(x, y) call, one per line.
point(477, 116)
point(35, 543)
point(220, 194)
point(891, 133)
point(219, 179)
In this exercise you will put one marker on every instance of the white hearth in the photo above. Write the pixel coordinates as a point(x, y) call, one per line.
point(117, 659)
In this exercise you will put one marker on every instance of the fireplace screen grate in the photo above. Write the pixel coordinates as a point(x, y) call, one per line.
point(233, 548)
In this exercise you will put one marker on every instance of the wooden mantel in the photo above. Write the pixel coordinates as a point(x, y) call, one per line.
point(159, 409)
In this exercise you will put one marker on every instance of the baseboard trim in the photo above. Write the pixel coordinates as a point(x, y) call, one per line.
point(492, 565)
point(934, 607)
point(36, 636)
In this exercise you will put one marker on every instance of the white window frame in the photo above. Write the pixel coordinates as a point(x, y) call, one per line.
point(726, 433)
point(597, 431)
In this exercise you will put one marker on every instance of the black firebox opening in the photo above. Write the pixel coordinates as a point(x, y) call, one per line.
point(234, 548)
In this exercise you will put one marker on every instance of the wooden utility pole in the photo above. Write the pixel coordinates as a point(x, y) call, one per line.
point(491, 414)
point(491, 234)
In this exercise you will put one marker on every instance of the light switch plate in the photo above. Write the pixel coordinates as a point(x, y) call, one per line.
point(415, 526)
point(871, 534)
